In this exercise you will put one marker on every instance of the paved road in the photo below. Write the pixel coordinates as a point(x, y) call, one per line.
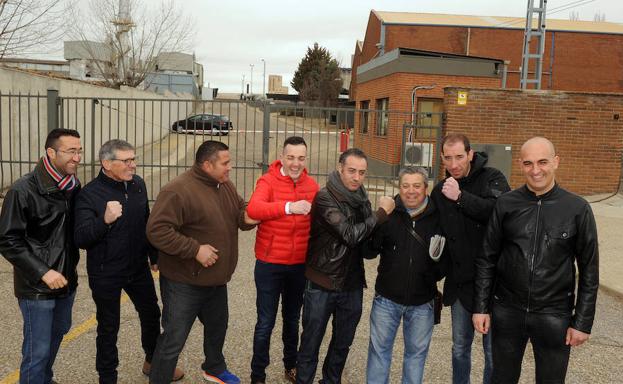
point(597, 362)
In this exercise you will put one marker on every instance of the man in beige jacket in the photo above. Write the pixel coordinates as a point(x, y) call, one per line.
point(194, 225)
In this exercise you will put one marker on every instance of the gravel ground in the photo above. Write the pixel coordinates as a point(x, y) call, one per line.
point(596, 362)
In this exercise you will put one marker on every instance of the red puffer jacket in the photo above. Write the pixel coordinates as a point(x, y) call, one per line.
point(281, 238)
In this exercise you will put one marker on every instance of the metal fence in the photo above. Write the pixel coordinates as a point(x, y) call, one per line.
point(258, 132)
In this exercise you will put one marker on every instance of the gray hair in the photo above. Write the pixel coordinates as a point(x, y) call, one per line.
point(413, 171)
point(107, 152)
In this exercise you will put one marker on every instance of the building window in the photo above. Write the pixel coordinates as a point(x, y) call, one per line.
point(363, 116)
point(382, 106)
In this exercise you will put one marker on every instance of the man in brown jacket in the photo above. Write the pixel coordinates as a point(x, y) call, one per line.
point(194, 225)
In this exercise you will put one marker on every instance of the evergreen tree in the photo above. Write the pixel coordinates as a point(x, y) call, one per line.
point(317, 79)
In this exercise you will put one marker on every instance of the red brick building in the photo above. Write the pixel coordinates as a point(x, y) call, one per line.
point(579, 56)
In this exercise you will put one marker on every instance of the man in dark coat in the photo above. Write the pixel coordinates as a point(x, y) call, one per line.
point(465, 200)
point(36, 237)
point(111, 216)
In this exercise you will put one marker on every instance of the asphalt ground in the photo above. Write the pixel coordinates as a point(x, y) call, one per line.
point(598, 361)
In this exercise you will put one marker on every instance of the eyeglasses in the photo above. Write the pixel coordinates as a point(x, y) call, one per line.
point(71, 152)
point(127, 161)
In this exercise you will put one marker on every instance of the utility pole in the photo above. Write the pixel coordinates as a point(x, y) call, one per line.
point(264, 78)
point(251, 65)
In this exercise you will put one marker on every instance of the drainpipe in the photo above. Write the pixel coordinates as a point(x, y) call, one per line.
point(413, 97)
point(505, 73)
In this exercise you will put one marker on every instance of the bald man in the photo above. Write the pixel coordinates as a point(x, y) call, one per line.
point(525, 278)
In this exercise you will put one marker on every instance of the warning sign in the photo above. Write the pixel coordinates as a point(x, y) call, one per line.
point(462, 98)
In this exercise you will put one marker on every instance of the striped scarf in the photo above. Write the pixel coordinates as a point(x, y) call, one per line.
point(64, 183)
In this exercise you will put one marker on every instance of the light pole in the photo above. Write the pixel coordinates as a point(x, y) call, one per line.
point(243, 83)
point(251, 91)
point(264, 78)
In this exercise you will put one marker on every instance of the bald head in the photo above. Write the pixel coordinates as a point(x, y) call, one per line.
point(538, 143)
point(538, 163)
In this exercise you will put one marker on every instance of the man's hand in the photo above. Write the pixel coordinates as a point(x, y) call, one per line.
point(54, 280)
point(207, 255)
point(575, 337)
point(451, 189)
point(387, 203)
point(249, 220)
point(482, 322)
point(301, 207)
point(113, 212)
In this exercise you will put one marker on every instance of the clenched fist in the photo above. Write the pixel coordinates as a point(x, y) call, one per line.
point(387, 203)
point(451, 189)
point(301, 207)
point(207, 255)
point(113, 212)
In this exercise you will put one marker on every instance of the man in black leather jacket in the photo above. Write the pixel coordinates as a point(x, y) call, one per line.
point(465, 200)
point(36, 236)
point(342, 218)
point(111, 217)
point(525, 277)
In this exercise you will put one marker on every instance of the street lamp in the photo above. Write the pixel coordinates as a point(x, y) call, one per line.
point(264, 78)
point(243, 83)
point(251, 91)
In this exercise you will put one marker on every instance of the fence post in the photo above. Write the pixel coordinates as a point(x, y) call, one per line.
point(266, 137)
point(53, 103)
point(94, 102)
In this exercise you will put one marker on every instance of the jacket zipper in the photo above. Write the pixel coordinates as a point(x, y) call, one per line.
point(536, 239)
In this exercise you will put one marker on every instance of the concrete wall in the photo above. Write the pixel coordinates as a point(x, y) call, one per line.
point(136, 116)
point(586, 128)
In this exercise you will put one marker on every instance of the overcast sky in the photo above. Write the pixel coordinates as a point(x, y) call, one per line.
point(233, 34)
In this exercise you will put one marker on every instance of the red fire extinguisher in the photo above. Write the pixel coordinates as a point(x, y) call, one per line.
point(344, 138)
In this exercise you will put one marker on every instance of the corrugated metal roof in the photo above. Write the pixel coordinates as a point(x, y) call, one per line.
point(410, 18)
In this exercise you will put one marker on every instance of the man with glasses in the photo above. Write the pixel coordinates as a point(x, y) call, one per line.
point(36, 237)
point(111, 216)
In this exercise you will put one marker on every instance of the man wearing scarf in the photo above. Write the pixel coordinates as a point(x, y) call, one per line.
point(341, 219)
point(36, 236)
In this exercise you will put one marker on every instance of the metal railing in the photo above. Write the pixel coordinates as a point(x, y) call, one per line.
point(255, 140)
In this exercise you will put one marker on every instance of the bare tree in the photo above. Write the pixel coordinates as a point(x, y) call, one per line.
point(133, 37)
point(574, 15)
point(29, 25)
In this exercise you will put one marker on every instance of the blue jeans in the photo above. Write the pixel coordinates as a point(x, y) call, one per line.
point(273, 281)
point(319, 305)
point(45, 324)
point(417, 327)
point(181, 305)
point(462, 339)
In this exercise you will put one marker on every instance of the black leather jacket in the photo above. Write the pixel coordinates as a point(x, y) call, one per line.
point(530, 246)
point(406, 273)
point(36, 235)
point(119, 249)
point(464, 222)
point(337, 232)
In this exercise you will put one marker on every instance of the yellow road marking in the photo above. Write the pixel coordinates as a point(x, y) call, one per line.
point(80, 329)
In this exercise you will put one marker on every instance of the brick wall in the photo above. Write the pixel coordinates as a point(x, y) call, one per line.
point(578, 61)
point(582, 126)
point(397, 88)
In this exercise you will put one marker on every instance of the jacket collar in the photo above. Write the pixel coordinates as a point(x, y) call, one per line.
point(199, 174)
point(45, 183)
point(104, 178)
point(400, 207)
point(551, 193)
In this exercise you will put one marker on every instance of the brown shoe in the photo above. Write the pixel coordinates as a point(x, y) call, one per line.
point(178, 374)
point(290, 375)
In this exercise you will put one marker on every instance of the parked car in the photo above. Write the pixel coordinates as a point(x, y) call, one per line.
point(204, 123)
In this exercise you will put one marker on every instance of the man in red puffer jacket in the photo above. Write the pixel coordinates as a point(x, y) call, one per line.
point(281, 201)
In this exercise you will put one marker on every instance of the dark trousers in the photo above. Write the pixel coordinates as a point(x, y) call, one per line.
point(513, 328)
point(273, 281)
point(319, 306)
point(106, 293)
point(181, 305)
